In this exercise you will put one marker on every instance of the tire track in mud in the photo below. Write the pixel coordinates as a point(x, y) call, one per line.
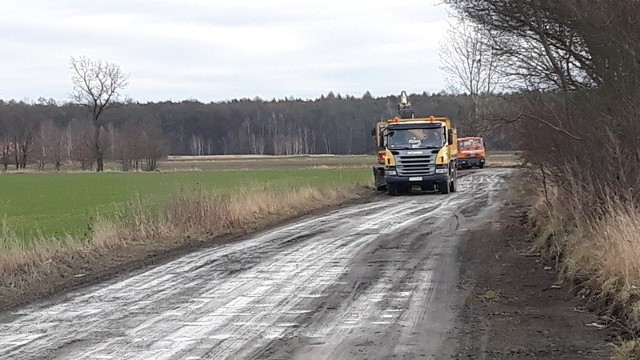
point(369, 280)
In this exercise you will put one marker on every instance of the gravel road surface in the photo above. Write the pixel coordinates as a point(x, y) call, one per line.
point(367, 281)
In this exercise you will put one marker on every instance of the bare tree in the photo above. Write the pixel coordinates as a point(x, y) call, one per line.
point(154, 145)
point(469, 61)
point(256, 136)
point(471, 64)
point(77, 147)
point(96, 85)
point(23, 126)
point(140, 145)
point(5, 145)
point(126, 146)
point(537, 44)
point(50, 145)
point(5, 153)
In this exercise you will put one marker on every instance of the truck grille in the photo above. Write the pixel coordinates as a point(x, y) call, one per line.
point(416, 165)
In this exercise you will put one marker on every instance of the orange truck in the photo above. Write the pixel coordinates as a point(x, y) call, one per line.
point(471, 152)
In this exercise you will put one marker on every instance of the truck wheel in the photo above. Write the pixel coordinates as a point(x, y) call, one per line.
point(444, 187)
point(481, 166)
point(453, 184)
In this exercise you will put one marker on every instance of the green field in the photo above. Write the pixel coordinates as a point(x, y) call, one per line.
point(55, 204)
point(51, 204)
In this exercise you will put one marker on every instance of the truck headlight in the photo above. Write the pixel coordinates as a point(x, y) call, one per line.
point(442, 171)
point(391, 172)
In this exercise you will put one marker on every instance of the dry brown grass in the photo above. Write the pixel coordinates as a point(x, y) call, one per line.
point(46, 266)
point(607, 250)
point(596, 244)
point(598, 250)
point(503, 159)
point(629, 350)
point(206, 214)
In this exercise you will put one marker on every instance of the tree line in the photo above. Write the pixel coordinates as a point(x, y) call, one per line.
point(136, 135)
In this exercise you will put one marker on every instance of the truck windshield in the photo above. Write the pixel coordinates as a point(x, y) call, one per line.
point(470, 144)
point(416, 138)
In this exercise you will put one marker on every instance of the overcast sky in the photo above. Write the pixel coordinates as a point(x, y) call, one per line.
point(219, 50)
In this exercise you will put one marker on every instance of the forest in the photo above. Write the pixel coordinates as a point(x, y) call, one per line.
point(49, 134)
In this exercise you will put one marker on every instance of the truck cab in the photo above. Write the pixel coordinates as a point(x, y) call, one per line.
point(471, 152)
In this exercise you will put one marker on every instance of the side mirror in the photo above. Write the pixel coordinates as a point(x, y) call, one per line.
point(373, 132)
point(381, 137)
point(450, 136)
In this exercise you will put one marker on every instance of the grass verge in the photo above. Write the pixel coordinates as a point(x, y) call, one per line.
point(142, 233)
point(598, 251)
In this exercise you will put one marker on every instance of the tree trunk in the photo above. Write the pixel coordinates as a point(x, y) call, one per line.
point(16, 153)
point(152, 164)
point(99, 163)
point(23, 158)
point(97, 151)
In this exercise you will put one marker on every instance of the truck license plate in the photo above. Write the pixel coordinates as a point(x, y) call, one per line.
point(416, 178)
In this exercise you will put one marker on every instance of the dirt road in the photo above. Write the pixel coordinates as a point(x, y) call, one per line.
point(355, 283)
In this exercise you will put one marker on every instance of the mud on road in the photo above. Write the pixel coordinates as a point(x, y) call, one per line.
point(376, 280)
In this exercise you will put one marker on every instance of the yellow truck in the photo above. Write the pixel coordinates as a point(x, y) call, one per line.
point(415, 154)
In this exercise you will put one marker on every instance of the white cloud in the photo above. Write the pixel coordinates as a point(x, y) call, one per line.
point(215, 50)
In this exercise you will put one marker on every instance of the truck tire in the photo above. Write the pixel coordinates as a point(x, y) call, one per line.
point(378, 178)
point(444, 187)
point(453, 186)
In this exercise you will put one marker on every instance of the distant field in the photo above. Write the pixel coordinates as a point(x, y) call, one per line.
point(503, 159)
point(240, 162)
point(55, 204)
